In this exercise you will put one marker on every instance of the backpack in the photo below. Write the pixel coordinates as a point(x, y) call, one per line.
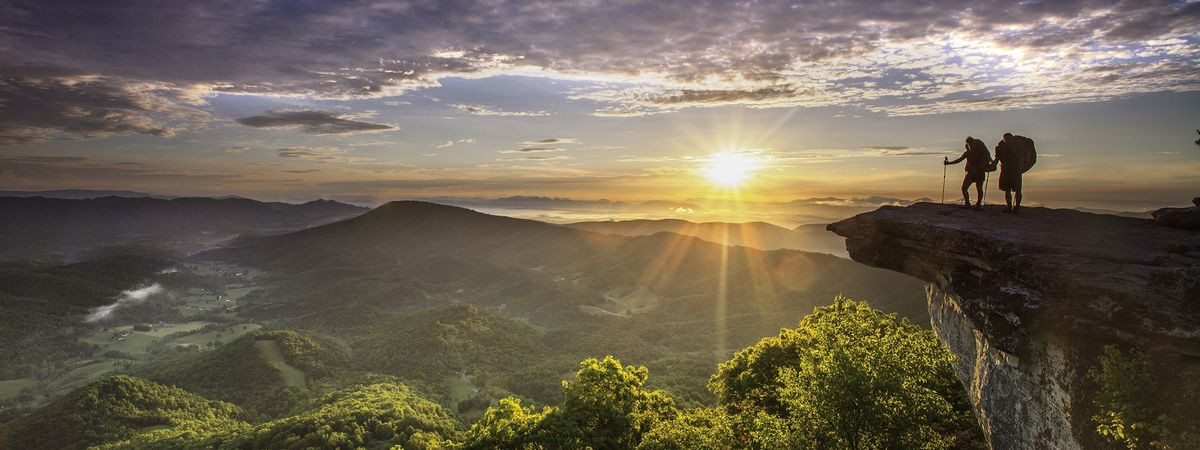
point(1026, 151)
point(979, 157)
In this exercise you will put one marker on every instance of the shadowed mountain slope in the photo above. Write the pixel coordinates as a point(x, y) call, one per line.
point(56, 229)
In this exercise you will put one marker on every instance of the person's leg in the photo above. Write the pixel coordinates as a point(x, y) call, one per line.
point(978, 194)
point(965, 185)
point(1018, 207)
point(1008, 199)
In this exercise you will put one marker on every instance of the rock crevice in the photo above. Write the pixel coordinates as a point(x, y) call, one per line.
point(1027, 302)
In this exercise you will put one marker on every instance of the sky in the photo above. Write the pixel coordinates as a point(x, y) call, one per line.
point(613, 100)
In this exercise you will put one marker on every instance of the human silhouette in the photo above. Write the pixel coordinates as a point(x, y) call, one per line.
point(978, 161)
point(1014, 155)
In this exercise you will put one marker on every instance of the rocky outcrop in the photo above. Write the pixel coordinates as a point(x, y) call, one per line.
point(1184, 218)
point(1026, 302)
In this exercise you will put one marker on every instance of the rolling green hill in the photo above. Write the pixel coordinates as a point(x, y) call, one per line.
point(265, 372)
point(114, 409)
point(124, 412)
point(373, 416)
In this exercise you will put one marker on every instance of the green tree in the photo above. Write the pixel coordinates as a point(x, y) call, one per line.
point(706, 428)
point(1144, 401)
point(510, 426)
point(851, 377)
point(606, 407)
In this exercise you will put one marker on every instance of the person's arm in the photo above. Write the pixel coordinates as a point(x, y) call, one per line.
point(960, 159)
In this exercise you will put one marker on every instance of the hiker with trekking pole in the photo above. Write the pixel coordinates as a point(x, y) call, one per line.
point(979, 163)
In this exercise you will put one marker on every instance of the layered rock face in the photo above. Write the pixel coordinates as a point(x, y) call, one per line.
point(1027, 302)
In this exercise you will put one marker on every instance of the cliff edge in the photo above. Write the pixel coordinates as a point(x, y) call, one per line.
point(1027, 302)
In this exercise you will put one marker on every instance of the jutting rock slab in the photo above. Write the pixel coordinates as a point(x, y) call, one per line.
point(1027, 302)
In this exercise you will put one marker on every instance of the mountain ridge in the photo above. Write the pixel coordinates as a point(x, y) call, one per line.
point(40, 227)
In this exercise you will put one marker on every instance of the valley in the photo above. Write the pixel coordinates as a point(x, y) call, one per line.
point(121, 345)
point(465, 308)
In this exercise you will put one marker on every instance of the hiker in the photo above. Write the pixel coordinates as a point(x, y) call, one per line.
point(1015, 155)
point(978, 161)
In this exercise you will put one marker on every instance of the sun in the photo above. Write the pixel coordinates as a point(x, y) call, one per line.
point(729, 169)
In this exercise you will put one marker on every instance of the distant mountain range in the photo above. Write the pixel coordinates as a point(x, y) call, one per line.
point(59, 229)
point(759, 235)
point(80, 194)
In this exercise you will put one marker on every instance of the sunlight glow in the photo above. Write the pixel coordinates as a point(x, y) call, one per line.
point(731, 169)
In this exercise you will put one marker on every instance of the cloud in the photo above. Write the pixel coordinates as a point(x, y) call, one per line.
point(547, 141)
point(236, 149)
point(80, 172)
point(126, 298)
point(44, 159)
point(910, 57)
point(533, 150)
point(723, 96)
point(535, 158)
point(316, 123)
point(905, 152)
point(451, 142)
point(302, 171)
point(480, 110)
point(321, 155)
point(41, 103)
point(861, 202)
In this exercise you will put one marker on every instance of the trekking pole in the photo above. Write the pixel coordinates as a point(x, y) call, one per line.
point(986, 177)
point(944, 160)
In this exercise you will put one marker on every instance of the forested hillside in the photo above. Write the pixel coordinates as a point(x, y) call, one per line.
point(848, 376)
point(114, 409)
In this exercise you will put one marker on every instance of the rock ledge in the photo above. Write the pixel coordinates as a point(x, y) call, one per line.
point(1026, 302)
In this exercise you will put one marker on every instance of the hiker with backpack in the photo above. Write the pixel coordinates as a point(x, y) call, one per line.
point(978, 162)
point(1015, 155)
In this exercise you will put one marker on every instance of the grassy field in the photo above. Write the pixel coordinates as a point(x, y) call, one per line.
point(138, 341)
point(134, 344)
point(624, 302)
point(12, 388)
point(225, 334)
point(459, 389)
point(236, 294)
point(291, 375)
point(598, 311)
point(86, 373)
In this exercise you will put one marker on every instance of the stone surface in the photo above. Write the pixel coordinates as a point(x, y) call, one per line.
point(1183, 218)
point(1026, 302)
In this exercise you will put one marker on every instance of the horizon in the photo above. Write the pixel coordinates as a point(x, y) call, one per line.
point(367, 102)
point(792, 213)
